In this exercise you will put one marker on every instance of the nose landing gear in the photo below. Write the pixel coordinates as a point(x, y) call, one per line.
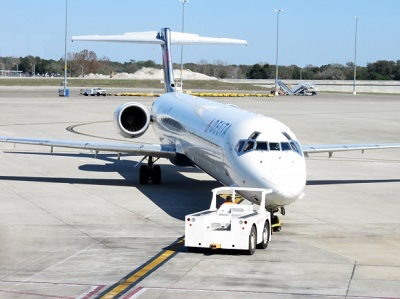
point(276, 222)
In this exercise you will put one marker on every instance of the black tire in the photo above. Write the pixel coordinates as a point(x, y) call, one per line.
point(252, 241)
point(144, 175)
point(275, 222)
point(85, 94)
point(192, 249)
point(265, 236)
point(98, 94)
point(156, 175)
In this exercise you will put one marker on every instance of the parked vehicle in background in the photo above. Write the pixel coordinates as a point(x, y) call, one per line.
point(307, 93)
point(97, 91)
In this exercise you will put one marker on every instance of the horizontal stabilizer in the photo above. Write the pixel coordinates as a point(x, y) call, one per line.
point(150, 37)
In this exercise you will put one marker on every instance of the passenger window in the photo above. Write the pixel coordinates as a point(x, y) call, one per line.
point(285, 146)
point(249, 146)
point(274, 146)
point(262, 146)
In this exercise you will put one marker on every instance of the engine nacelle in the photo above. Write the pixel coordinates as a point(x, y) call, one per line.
point(131, 120)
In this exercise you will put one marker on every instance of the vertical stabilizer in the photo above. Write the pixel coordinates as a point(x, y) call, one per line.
point(169, 82)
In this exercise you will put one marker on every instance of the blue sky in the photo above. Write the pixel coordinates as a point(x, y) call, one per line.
point(315, 32)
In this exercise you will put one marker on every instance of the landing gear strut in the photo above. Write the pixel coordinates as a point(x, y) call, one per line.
point(150, 172)
point(276, 222)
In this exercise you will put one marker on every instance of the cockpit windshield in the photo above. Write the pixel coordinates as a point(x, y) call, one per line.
point(253, 144)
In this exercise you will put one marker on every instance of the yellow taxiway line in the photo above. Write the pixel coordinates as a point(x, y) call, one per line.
point(140, 273)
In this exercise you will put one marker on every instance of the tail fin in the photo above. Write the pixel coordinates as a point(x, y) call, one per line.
point(165, 38)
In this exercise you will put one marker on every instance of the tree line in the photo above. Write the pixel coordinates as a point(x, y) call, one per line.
point(85, 62)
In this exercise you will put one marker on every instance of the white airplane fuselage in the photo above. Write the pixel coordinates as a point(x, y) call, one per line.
point(234, 146)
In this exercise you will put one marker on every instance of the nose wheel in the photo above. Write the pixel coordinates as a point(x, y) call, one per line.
point(150, 172)
point(276, 224)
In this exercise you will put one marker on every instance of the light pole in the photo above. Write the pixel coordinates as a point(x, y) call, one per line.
point(277, 39)
point(355, 56)
point(65, 49)
point(183, 26)
point(83, 75)
point(17, 68)
point(2, 69)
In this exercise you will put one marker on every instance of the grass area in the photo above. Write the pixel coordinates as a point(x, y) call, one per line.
point(128, 83)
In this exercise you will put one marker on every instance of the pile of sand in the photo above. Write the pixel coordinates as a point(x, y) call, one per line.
point(155, 74)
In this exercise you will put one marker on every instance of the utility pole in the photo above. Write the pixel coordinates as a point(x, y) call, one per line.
point(183, 26)
point(277, 40)
point(355, 56)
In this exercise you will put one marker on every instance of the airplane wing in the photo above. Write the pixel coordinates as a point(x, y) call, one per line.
point(150, 37)
point(331, 148)
point(145, 149)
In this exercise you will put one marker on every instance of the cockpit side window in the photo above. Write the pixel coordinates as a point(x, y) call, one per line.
point(249, 146)
point(294, 145)
point(240, 145)
point(287, 135)
point(254, 135)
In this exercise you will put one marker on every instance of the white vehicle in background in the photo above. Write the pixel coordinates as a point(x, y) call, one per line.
point(97, 91)
point(231, 226)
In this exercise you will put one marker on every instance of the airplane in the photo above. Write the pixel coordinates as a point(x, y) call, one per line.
point(238, 148)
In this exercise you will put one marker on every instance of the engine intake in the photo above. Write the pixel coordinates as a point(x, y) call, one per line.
point(131, 120)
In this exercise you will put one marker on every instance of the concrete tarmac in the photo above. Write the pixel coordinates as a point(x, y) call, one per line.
point(76, 226)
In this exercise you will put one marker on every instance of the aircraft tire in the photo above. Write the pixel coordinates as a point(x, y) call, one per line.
point(265, 236)
point(144, 175)
point(156, 175)
point(252, 241)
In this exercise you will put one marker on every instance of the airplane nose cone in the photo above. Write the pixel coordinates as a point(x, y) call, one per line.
point(290, 179)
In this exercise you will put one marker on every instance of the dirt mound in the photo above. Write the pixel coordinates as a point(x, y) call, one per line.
point(154, 74)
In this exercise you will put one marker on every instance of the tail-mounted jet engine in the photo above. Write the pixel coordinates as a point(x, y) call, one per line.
point(131, 120)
